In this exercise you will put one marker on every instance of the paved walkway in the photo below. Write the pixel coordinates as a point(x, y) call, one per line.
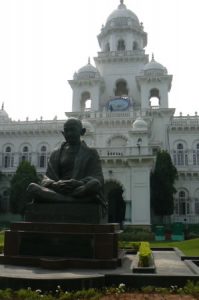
point(167, 263)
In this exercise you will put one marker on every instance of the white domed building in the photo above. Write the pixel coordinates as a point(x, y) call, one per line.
point(123, 103)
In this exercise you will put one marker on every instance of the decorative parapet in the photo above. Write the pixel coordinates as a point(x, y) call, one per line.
point(31, 127)
point(185, 123)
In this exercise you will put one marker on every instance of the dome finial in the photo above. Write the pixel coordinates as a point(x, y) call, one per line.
point(153, 57)
point(2, 106)
point(121, 5)
point(89, 60)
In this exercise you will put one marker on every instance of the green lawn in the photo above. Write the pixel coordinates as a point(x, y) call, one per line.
point(188, 247)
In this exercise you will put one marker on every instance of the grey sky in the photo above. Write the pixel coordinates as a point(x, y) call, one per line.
point(43, 42)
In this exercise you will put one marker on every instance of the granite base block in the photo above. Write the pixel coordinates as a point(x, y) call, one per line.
point(62, 245)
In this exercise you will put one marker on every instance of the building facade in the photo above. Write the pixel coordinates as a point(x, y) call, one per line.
point(123, 104)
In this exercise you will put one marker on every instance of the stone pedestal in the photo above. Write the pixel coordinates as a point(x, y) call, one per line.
point(90, 213)
point(62, 245)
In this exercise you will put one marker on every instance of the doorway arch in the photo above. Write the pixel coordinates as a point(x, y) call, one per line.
point(113, 191)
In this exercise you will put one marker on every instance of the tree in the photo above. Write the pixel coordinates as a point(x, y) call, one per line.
point(1, 179)
point(162, 185)
point(25, 174)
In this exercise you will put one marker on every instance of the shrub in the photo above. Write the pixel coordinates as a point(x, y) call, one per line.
point(191, 288)
point(136, 234)
point(145, 255)
point(133, 245)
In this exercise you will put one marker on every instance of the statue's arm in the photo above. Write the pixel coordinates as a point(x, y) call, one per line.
point(93, 180)
point(47, 182)
point(94, 168)
point(52, 170)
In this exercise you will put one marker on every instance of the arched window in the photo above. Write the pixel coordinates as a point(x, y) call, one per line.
point(121, 45)
point(88, 105)
point(8, 158)
point(182, 204)
point(25, 154)
point(154, 98)
point(180, 155)
point(121, 88)
point(135, 46)
point(197, 206)
point(117, 141)
point(107, 47)
point(196, 155)
point(85, 101)
point(196, 202)
point(43, 157)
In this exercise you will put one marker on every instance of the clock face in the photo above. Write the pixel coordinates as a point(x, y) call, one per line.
point(118, 104)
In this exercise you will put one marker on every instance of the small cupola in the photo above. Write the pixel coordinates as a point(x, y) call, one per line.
point(155, 67)
point(154, 83)
point(139, 125)
point(4, 117)
point(87, 72)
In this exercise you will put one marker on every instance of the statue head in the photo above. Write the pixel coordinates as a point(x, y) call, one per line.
point(73, 130)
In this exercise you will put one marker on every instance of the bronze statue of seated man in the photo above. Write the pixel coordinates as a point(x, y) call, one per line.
point(74, 172)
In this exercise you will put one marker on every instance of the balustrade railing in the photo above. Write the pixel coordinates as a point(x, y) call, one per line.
point(124, 151)
point(185, 121)
point(189, 219)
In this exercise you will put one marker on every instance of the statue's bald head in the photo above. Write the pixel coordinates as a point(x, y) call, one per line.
point(73, 129)
point(74, 122)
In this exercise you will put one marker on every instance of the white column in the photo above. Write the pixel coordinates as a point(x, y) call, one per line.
point(1, 160)
point(140, 188)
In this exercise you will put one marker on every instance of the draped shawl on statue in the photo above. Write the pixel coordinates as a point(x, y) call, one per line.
point(87, 165)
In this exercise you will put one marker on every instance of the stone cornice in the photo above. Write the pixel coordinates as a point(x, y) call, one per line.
point(153, 78)
point(123, 56)
point(188, 174)
point(106, 118)
point(160, 112)
point(88, 82)
point(184, 129)
point(131, 28)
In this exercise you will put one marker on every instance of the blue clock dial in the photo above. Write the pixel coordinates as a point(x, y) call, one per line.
point(118, 104)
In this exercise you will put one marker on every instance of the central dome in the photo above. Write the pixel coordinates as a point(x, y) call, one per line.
point(122, 12)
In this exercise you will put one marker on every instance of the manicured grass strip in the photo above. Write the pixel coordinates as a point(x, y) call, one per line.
point(1, 238)
point(188, 247)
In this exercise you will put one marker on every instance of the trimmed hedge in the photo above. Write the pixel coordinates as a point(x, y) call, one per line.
point(145, 255)
point(136, 234)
